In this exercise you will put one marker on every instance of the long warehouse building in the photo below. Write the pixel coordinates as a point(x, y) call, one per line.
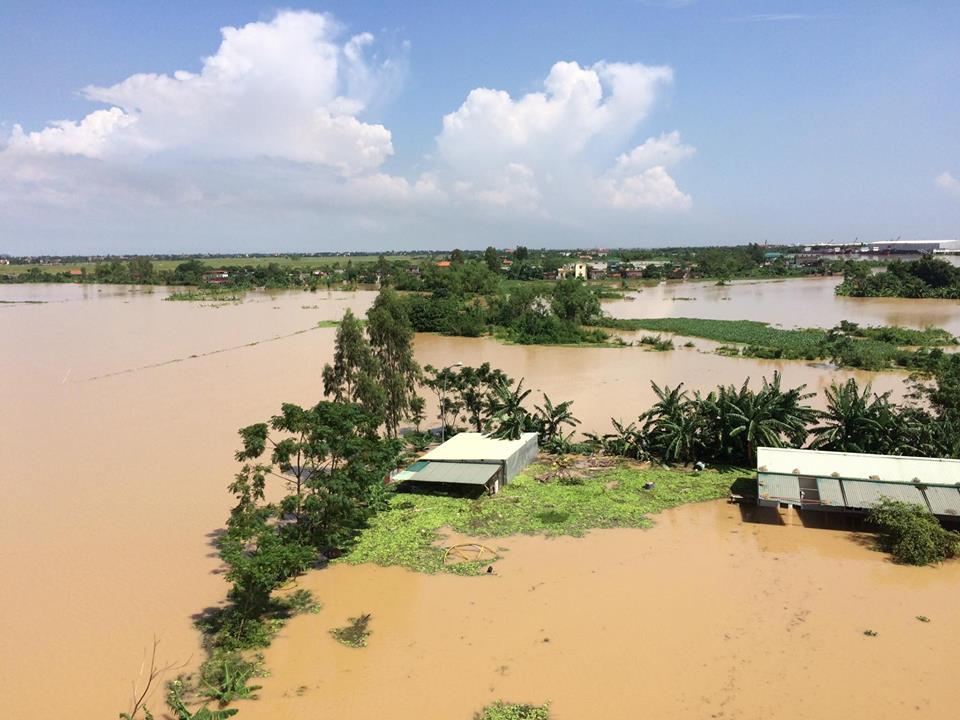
point(855, 482)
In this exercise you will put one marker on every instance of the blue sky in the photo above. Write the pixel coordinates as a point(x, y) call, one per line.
point(716, 122)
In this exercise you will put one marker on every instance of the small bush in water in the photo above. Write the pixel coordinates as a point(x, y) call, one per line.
point(224, 678)
point(509, 711)
point(912, 535)
point(355, 634)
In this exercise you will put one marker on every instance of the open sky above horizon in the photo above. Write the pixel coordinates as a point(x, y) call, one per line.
point(231, 125)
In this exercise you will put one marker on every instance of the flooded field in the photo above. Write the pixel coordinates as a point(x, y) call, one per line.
point(117, 434)
point(704, 616)
point(808, 302)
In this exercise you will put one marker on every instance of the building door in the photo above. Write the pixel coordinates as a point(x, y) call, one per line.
point(809, 492)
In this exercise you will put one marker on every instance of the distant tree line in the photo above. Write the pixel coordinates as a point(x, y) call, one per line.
point(413, 273)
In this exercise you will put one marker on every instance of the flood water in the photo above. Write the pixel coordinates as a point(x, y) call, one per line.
point(703, 616)
point(807, 302)
point(117, 431)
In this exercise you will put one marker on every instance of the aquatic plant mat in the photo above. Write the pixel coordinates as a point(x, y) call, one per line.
point(355, 633)
point(568, 498)
point(511, 711)
point(870, 348)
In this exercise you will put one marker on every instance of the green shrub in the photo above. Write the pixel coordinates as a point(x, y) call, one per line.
point(224, 677)
point(657, 342)
point(911, 534)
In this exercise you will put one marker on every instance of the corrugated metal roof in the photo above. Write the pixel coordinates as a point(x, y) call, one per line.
point(830, 492)
point(409, 472)
point(476, 446)
point(859, 466)
point(943, 501)
point(780, 488)
point(456, 473)
point(862, 494)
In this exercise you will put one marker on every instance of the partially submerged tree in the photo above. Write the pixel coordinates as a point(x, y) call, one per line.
point(855, 420)
point(444, 384)
point(355, 372)
point(509, 418)
point(549, 421)
point(626, 440)
point(728, 424)
point(417, 412)
point(770, 417)
point(331, 463)
point(153, 673)
point(671, 425)
point(470, 390)
point(574, 301)
point(391, 337)
point(476, 388)
point(331, 460)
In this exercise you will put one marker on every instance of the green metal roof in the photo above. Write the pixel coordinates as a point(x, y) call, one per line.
point(858, 481)
point(830, 492)
point(456, 473)
point(862, 494)
point(943, 501)
point(859, 466)
point(781, 488)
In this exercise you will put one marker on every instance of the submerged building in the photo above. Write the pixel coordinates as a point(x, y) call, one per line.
point(472, 461)
point(855, 482)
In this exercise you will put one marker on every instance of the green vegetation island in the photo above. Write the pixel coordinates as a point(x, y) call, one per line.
point(846, 345)
point(310, 488)
point(928, 277)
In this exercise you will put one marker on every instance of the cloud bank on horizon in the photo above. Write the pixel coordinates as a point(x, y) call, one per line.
point(275, 124)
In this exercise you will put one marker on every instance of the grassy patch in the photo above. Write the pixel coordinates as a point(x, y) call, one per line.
point(511, 711)
point(405, 533)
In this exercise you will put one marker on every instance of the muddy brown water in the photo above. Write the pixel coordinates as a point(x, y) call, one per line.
point(704, 616)
point(807, 302)
point(117, 430)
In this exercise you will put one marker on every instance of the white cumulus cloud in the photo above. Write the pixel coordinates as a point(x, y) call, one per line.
point(663, 151)
point(545, 151)
point(287, 89)
point(274, 129)
point(639, 178)
point(948, 183)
